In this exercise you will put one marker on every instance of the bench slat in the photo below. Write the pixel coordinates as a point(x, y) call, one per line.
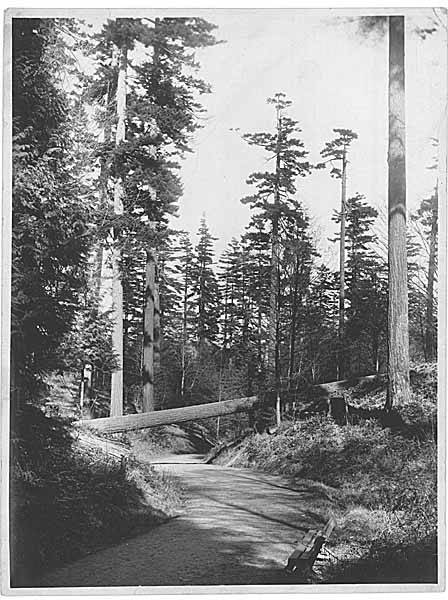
point(308, 548)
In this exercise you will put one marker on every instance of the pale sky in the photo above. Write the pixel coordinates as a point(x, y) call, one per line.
point(335, 79)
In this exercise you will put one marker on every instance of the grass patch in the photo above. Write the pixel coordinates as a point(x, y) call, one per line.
point(67, 502)
point(385, 491)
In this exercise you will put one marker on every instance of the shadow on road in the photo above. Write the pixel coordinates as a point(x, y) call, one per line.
point(237, 529)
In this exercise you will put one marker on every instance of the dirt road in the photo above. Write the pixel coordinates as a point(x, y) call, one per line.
point(238, 527)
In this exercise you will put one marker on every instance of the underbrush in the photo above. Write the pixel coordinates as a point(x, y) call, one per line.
point(385, 491)
point(67, 502)
point(417, 417)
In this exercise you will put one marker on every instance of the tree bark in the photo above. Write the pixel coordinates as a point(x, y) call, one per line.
point(273, 350)
point(398, 339)
point(148, 334)
point(184, 334)
point(171, 415)
point(430, 338)
point(116, 404)
point(103, 179)
point(293, 329)
point(340, 370)
point(157, 330)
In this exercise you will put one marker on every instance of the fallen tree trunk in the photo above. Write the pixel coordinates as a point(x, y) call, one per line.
point(171, 416)
point(345, 384)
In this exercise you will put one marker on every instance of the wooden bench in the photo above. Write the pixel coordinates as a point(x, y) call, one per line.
point(302, 559)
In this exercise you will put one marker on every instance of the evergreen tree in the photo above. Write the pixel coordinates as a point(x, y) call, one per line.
point(256, 244)
point(366, 289)
point(51, 205)
point(274, 190)
point(422, 277)
point(317, 346)
point(205, 286)
point(337, 150)
point(297, 262)
point(162, 113)
point(232, 291)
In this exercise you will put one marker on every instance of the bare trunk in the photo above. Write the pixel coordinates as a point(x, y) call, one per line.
point(376, 353)
point(273, 354)
point(226, 315)
point(223, 350)
point(172, 415)
point(292, 334)
point(430, 337)
point(81, 393)
point(148, 334)
point(341, 361)
point(184, 335)
point(103, 179)
point(157, 330)
point(398, 339)
point(116, 403)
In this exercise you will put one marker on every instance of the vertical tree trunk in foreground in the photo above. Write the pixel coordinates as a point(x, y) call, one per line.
point(157, 331)
point(100, 255)
point(398, 341)
point(430, 337)
point(148, 333)
point(273, 350)
point(340, 372)
point(184, 338)
point(116, 401)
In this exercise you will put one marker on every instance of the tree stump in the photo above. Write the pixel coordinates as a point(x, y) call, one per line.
point(337, 409)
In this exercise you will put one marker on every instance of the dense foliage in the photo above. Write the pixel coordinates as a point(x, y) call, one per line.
point(269, 316)
point(52, 205)
point(383, 483)
point(70, 501)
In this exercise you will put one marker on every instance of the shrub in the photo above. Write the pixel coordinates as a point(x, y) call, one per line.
point(385, 483)
point(390, 560)
point(66, 502)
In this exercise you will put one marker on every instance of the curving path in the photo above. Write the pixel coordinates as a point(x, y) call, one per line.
point(238, 527)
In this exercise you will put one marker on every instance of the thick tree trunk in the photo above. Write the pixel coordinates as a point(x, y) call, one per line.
point(184, 336)
point(398, 339)
point(116, 404)
point(430, 334)
point(273, 317)
point(293, 330)
point(172, 415)
point(157, 330)
point(148, 334)
point(273, 349)
point(341, 353)
point(103, 180)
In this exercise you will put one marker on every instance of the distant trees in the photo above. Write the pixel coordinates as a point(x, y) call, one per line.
point(422, 277)
point(273, 197)
point(161, 110)
point(366, 325)
point(95, 181)
point(337, 150)
point(205, 287)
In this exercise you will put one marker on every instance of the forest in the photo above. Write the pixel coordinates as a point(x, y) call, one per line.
point(115, 310)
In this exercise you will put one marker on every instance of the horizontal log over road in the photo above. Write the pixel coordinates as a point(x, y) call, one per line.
point(346, 384)
point(170, 416)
